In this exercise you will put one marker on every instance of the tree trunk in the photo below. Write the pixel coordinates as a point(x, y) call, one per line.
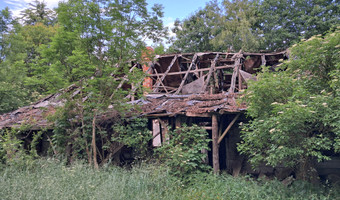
point(94, 148)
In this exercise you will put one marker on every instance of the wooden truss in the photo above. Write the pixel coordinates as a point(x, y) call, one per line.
point(207, 73)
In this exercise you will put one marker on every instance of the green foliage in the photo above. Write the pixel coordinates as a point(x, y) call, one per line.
point(12, 151)
point(52, 180)
point(134, 133)
point(159, 49)
point(183, 152)
point(253, 25)
point(236, 29)
point(230, 26)
point(284, 22)
point(38, 13)
point(92, 48)
point(194, 33)
point(295, 112)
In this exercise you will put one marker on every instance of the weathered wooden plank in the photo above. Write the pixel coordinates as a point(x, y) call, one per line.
point(193, 71)
point(186, 74)
point(212, 68)
point(156, 141)
point(235, 72)
point(216, 158)
point(165, 73)
point(161, 82)
point(263, 60)
point(228, 128)
point(191, 114)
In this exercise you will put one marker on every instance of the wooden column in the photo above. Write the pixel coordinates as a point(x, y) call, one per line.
point(216, 158)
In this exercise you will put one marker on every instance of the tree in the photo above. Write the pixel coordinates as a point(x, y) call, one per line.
point(284, 23)
point(12, 90)
point(194, 34)
point(38, 13)
point(5, 21)
point(236, 28)
point(93, 49)
point(295, 115)
point(230, 26)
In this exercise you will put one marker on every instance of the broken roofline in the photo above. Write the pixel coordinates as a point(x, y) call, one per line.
point(194, 73)
point(196, 84)
point(169, 102)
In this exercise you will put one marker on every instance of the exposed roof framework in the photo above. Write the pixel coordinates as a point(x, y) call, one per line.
point(195, 84)
point(191, 84)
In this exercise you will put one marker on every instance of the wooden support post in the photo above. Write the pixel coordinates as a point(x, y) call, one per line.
point(164, 75)
point(211, 70)
point(263, 60)
point(216, 158)
point(228, 128)
point(235, 73)
point(186, 74)
point(156, 133)
point(239, 80)
point(178, 122)
point(164, 129)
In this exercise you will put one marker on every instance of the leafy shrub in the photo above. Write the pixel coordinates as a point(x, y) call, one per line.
point(134, 133)
point(12, 152)
point(295, 112)
point(183, 152)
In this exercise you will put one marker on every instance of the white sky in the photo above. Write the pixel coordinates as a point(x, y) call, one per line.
point(16, 6)
point(172, 8)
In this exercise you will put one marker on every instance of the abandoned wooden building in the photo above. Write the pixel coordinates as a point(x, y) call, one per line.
point(203, 88)
point(190, 88)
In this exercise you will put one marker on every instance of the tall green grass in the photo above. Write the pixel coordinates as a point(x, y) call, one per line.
point(49, 179)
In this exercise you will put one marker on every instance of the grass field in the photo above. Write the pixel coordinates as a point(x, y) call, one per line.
point(48, 179)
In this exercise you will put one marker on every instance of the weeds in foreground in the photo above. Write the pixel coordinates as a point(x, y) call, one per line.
point(50, 179)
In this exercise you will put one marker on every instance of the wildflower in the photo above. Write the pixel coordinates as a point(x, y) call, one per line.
point(272, 130)
point(312, 97)
point(280, 112)
point(324, 104)
point(303, 106)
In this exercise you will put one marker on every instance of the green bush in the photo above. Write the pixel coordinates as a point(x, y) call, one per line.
point(134, 133)
point(183, 152)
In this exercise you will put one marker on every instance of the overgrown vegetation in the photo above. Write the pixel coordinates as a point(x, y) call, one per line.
point(135, 134)
point(182, 152)
point(50, 179)
point(295, 111)
point(89, 47)
point(253, 25)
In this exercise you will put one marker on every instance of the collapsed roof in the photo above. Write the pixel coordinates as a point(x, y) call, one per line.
point(195, 84)
point(192, 84)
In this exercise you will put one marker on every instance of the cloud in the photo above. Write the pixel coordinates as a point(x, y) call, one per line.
point(170, 23)
point(17, 6)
